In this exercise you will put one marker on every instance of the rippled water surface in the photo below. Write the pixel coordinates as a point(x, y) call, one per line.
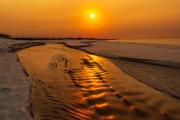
point(69, 84)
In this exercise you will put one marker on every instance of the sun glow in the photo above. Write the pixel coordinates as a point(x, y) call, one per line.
point(93, 18)
point(92, 15)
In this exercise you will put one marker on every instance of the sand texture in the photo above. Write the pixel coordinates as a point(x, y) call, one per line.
point(156, 65)
point(132, 80)
point(167, 55)
point(71, 84)
point(14, 89)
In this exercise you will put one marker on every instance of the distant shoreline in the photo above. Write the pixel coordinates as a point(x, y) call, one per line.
point(44, 38)
point(51, 38)
point(5, 36)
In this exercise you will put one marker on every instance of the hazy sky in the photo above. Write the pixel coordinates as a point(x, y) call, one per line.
point(70, 18)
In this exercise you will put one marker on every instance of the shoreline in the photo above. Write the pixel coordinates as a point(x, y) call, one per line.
point(116, 80)
point(138, 62)
point(154, 64)
point(170, 64)
point(126, 66)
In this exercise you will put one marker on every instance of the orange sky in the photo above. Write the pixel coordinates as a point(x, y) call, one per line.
point(69, 18)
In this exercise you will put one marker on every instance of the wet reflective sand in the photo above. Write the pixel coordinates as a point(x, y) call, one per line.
point(70, 84)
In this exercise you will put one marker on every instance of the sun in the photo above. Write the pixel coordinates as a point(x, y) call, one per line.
point(92, 15)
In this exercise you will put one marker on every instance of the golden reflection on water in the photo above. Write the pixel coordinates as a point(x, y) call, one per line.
point(98, 95)
point(102, 105)
point(70, 84)
point(95, 58)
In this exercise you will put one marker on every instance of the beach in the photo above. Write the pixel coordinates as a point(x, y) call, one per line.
point(93, 79)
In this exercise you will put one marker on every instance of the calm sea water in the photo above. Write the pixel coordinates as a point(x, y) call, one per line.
point(152, 41)
point(146, 41)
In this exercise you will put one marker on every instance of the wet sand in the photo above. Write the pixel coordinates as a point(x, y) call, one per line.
point(165, 79)
point(156, 65)
point(165, 55)
point(71, 84)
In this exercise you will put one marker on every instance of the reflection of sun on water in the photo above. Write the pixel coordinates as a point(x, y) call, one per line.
point(95, 58)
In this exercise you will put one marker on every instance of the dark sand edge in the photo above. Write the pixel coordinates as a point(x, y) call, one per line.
point(25, 72)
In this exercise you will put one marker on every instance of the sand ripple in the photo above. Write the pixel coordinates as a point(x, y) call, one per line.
point(71, 85)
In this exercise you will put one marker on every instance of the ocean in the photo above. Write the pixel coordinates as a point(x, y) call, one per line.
point(152, 41)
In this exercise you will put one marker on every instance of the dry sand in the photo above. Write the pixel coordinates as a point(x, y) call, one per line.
point(72, 84)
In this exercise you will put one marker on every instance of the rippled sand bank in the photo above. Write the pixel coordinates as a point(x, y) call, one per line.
point(71, 84)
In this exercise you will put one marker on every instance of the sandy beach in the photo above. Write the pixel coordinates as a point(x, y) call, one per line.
point(85, 79)
point(89, 60)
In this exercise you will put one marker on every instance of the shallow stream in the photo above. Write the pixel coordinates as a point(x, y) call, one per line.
point(70, 84)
